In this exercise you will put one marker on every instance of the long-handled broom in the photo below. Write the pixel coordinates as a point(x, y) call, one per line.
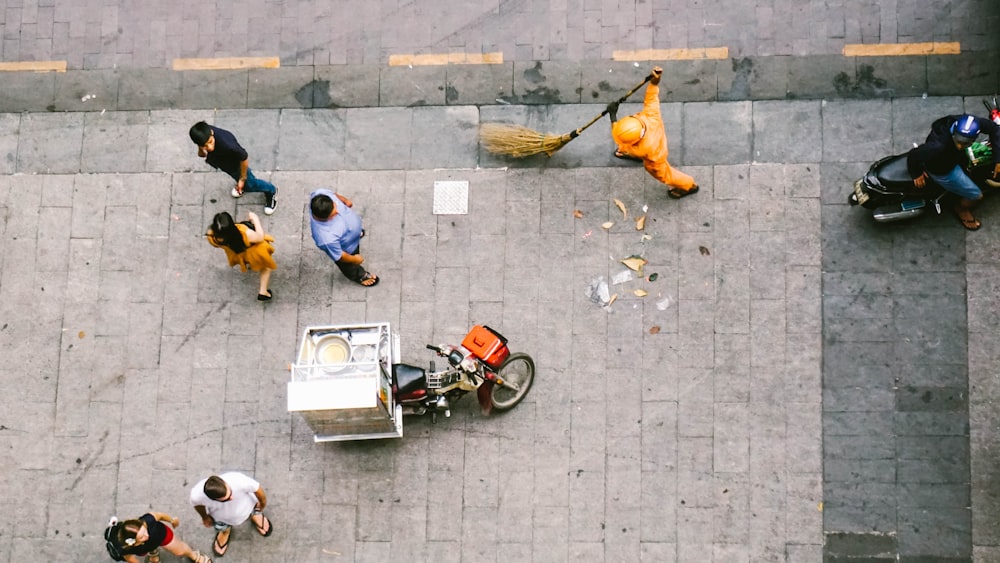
point(519, 141)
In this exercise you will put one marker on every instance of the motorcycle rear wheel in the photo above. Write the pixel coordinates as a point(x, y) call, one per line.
point(519, 369)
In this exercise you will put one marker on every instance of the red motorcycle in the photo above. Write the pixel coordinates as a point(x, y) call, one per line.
point(483, 363)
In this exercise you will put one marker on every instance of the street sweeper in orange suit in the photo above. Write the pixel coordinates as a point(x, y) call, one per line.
point(641, 137)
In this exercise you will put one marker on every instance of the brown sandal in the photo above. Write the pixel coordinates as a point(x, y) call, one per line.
point(970, 223)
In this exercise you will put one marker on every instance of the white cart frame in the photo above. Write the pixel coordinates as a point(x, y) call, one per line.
point(353, 399)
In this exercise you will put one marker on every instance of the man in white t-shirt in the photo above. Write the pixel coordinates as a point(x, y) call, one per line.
point(228, 500)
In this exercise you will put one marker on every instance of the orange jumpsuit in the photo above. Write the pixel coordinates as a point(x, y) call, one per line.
point(652, 147)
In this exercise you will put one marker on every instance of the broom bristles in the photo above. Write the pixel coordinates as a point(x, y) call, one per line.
point(519, 141)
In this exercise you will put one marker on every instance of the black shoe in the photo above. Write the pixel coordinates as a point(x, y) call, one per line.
point(265, 297)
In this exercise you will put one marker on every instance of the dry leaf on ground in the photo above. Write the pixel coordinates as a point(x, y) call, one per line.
point(577, 213)
point(640, 223)
point(612, 300)
point(704, 251)
point(621, 206)
point(655, 329)
point(608, 225)
point(640, 293)
point(634, 263)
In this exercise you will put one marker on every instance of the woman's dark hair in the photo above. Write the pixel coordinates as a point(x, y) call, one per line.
point(215, 488)
point(200, 132)
point(321, 206)
point(127, 532)
point(224, 232)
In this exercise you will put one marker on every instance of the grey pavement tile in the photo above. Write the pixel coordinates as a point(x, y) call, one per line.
point(951, 536)
point(9, 138)
point(89, 90)
point(312, 140)
point(785, 132)
point(285, 87)
point(114, 142)
point(547, 82)
point(28, 92)
point(964, 73)
point(410, 86)
point(859, 544)
point(856, 130)
point(702, 124)
point(149, 89)
point(50, 143)
point(820, 76)
point(447, 137)
point(213, 89)
point(479, 84)
point(691, 80)
point(753, 78)
point(338, 86)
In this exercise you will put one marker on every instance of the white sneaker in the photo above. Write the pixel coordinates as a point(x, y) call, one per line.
point(236, 193)
point(269, 206)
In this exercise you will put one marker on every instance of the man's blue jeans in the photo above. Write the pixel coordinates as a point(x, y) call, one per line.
point(255, 184)
point(958, 182)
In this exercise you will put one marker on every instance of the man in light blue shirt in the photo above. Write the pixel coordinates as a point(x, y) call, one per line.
point(336, 230)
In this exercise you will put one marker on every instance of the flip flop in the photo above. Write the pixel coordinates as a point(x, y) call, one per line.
point(369, 276)
point(260, 527)
point(676, 193)
point(971, 224)
point(220, 548)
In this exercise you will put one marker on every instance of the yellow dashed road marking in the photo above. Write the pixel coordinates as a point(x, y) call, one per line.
point(447, 59)
point(901, 49)
point(34, 66)
point(671, 54)
point(226, 63)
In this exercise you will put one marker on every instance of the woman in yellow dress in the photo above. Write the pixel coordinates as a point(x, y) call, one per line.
point(246, 245)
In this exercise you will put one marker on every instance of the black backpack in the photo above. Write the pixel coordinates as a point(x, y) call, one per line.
point(116, 551)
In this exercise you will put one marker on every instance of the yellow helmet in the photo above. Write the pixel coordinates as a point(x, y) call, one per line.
point(628, 130)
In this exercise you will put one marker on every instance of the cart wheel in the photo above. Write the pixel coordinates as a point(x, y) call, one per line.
point(518, 370)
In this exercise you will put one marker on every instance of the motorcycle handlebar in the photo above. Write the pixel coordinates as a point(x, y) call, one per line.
point(435, 348)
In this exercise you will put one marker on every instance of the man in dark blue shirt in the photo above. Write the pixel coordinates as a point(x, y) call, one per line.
point(221, 150)
point(942, 157)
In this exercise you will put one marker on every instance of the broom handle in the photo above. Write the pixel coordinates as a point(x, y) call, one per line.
point(576, 133)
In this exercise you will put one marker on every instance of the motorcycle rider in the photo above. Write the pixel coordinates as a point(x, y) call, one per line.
point(942, 156)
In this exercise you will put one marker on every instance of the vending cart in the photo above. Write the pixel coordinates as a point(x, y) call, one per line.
point(341, 382)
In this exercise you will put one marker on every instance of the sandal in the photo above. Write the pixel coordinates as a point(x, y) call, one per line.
point(677, 193)
point(200, 557)
point(971, 223)
point(220, 548)
point(264, 522)
point(368, 277)
point(265, 296)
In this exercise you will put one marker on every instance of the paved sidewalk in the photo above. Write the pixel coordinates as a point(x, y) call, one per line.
point(700, 436)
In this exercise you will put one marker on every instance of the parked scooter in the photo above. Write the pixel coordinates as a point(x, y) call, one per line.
point(483, 363)
point(887, 189)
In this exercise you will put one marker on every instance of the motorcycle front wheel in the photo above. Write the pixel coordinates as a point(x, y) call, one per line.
point(518, 370)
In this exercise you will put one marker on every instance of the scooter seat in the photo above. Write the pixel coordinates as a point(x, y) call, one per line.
point(407, 378)
point(893, 173)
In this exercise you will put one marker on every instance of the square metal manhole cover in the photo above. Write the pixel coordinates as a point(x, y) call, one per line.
point(451, 197)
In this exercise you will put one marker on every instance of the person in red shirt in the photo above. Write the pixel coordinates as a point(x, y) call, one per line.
point(641, 137)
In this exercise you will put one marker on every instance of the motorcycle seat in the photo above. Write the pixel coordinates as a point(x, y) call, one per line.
point(407, 378)
point(893, 173)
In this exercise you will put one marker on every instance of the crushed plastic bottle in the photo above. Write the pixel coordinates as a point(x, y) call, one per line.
point(598, 291)
point(665, 303)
